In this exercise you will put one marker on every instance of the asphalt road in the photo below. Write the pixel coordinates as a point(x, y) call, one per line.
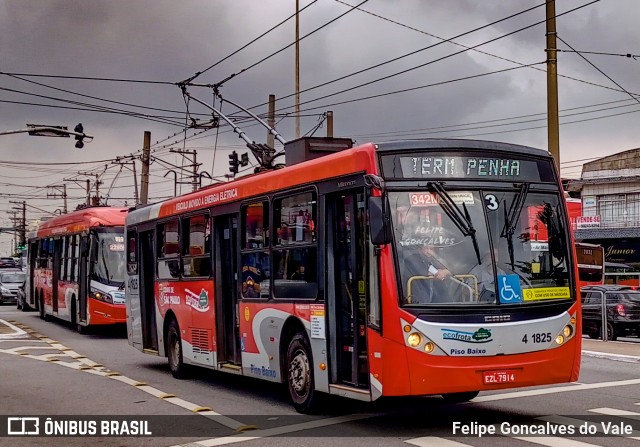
point(95, 377)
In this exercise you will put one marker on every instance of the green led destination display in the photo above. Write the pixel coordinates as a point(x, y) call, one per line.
point(435, 166)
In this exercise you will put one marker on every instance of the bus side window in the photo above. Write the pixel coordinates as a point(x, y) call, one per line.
point(195, 253)
point(168, 250)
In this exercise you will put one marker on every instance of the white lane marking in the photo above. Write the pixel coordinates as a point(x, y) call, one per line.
point(616, 412)
point(279, 431)
point(553, 390)
point(433, 441)
point(84, 364)
point(17, 332)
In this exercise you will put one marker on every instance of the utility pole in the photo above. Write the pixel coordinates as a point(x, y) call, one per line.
point(144, 181)
point(552, 84)
point(271, 120)
point(21, 227)
point(122, 163)
point(55, 195)
point(194, 166)
point(14, 222)
point(297, 68)
point(330, 124)
point(96, 199)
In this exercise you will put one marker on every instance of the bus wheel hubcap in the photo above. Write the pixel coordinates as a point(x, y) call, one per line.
point(299, 372)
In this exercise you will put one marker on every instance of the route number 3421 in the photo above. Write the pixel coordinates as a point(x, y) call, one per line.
point(537, 337)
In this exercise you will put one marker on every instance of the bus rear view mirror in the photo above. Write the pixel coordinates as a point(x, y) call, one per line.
point(378, 222)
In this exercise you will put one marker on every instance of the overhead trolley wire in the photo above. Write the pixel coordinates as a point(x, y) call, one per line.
point(432, 61)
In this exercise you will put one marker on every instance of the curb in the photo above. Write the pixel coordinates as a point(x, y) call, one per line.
point(616, 357)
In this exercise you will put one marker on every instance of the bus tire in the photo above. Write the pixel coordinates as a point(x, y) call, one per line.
point(174, 351)
point(454, 398)
point(43, 313)
point(80, 329)
point(299, 373)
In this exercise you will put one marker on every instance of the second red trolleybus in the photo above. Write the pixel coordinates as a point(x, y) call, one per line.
point(394, 269)
point(77, 267)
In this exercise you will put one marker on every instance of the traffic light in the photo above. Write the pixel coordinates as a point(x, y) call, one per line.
point(233, 162)
point(79, 138)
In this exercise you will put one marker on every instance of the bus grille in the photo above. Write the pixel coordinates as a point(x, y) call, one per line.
point(200, 340)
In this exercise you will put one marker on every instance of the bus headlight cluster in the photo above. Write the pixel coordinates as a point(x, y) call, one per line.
point(566, 334)
point(415, 339)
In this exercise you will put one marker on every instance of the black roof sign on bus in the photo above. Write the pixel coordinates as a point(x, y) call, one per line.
point(483, 167)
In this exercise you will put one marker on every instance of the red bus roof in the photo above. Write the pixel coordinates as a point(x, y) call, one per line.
point(82, 220)
point(345, 162)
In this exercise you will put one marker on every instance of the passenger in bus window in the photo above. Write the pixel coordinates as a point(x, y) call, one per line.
point(424, 262)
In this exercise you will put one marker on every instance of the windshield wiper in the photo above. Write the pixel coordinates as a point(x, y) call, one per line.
point(462, 221)
point(511, 218)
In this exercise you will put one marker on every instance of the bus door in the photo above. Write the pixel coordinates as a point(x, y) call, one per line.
point(347, 288)
point(83, 280)
point(226, 284)
point(147, 292)
point(55, 274)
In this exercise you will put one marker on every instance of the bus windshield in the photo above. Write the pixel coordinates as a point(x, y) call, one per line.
point(109, 265)
point(453, 246)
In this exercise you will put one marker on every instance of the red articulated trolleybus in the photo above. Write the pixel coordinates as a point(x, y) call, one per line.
point(393, 269)
point(77, 267)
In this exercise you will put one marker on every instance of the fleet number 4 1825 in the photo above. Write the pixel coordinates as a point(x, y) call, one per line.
point(537, 337)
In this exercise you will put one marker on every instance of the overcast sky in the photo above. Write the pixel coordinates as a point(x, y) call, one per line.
point(168, 41)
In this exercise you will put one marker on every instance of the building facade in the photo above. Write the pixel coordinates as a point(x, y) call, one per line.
point(609, 189)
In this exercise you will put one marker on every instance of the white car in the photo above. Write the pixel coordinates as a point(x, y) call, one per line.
point(10, 281)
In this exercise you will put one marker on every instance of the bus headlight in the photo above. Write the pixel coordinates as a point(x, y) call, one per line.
point(567, 331)
point(559, 339)
point(414, 339)
point(429, 347)
point(101, 296)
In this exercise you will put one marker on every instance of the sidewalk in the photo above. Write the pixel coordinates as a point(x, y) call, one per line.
point(615, 350)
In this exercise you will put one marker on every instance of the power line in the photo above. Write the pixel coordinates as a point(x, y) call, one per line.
point(198, 73)
point(395, 59)
point(219, 84)
point(627, 55)
point(602, 72)
point(438, 59)
point(85, 78)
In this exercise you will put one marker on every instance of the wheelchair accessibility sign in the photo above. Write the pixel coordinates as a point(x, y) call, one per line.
point(509, 289)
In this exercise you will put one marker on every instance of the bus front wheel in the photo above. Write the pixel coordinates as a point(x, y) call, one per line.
point(453, 398)
point(300, 375)
point(174, 350)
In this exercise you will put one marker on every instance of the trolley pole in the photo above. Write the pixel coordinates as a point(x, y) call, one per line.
point(552, 84)
point(271, 120)
point(144, 181)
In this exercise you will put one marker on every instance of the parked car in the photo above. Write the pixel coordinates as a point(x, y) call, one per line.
point(21, 299)
point(10, 281)
point(623, 310)
point(8, 263)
